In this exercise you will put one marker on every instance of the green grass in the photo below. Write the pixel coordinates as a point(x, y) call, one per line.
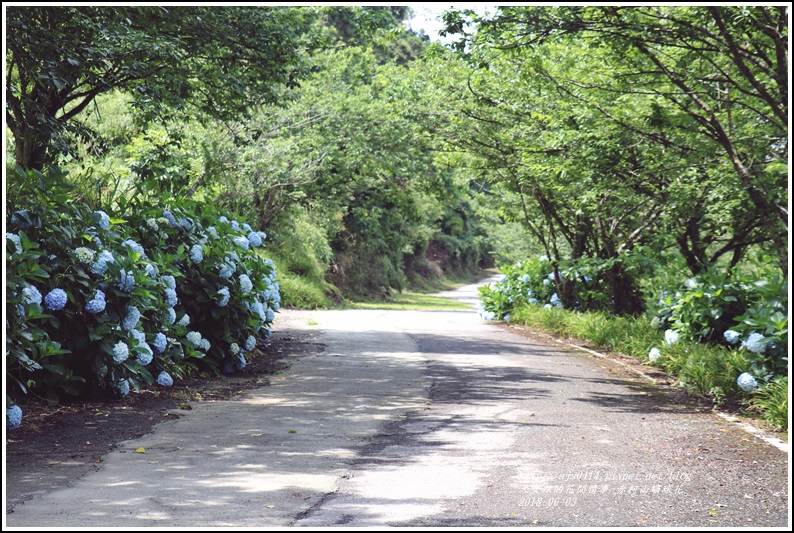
point(413, 301)
point(772, 403)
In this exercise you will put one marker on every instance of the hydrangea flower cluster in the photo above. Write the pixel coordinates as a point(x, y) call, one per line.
point(97, 303)
point(671, 337)
point(135, 247)
point(160, 342)
point(84, 255)
point(245, 284)
point(121, 352)
point(144, 353)
point(224, 294)
point(123, 387)
point(732, 336)
point(747, 382)
point(171, 298)
point(242, 242)
point(126, 281)
point(55, 300)
point(15, 239)
point(654, 354)
point(13, 417)
point(755, 343)
point(165, 379)
point(131, 319)
point(196, 253)
point(31, 295)
point(104, 220)
point(101, 264)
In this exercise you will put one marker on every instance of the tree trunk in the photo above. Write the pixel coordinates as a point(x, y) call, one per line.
point(626, 298)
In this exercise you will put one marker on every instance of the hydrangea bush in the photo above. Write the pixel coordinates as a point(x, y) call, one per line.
point(99, 303)
point(528, 282)
point(741, 311)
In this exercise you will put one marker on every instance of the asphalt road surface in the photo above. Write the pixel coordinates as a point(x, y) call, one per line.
point(433, 419)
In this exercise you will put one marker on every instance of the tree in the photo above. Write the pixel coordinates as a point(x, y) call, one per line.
point(222, 60)
point(723, 68)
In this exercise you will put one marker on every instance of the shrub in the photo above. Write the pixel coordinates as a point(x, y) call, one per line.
point(748, 312)
point(153, 291)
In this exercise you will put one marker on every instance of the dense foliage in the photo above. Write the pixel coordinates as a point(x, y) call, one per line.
point(113, 301)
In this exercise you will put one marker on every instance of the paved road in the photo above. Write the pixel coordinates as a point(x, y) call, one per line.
point(433, 419)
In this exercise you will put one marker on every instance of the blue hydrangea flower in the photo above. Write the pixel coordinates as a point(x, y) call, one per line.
point(259, 309)
point(254, 240)
point(15, 239)
point(123, 387)
point(234, 348)
point(246, 227)
point(270, 315)
point(120, 352)
point(171, 298)
point(691, 283)
point(152, 223)
point(170, 315)
point(169, 282)
point(55, 300)
point(250, 343)
point(671, 336)
point(533, 301)
point(134, 246)
point(151, 270)
point(544, 257)
point(755, 343)
point(747, 382)
point(245, 284)
point(555, 300)
point(132, 318)
point(160, 342)
point(212, 232)
point(97, 304)
point(239, 360)
point(13, 417)
point(194, 338)
point(654, 354)
point(169, 217)
point(224, 294)
point(31, 295)
point(227, 270)
point(525, 278)
point(84, 255)
point(731, 336)
point(100, 266)
point(223, 219)
point(185, 320)
point(205, 345)
point(126, 281)
point(196, 254)
point(165, 379)
point(144, 358)
point(104, 219)
point(242, 242)
point(235, 225)
point(186, 224)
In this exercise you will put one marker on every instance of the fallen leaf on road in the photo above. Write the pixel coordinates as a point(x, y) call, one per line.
point(256, 434)
point(140, 450)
